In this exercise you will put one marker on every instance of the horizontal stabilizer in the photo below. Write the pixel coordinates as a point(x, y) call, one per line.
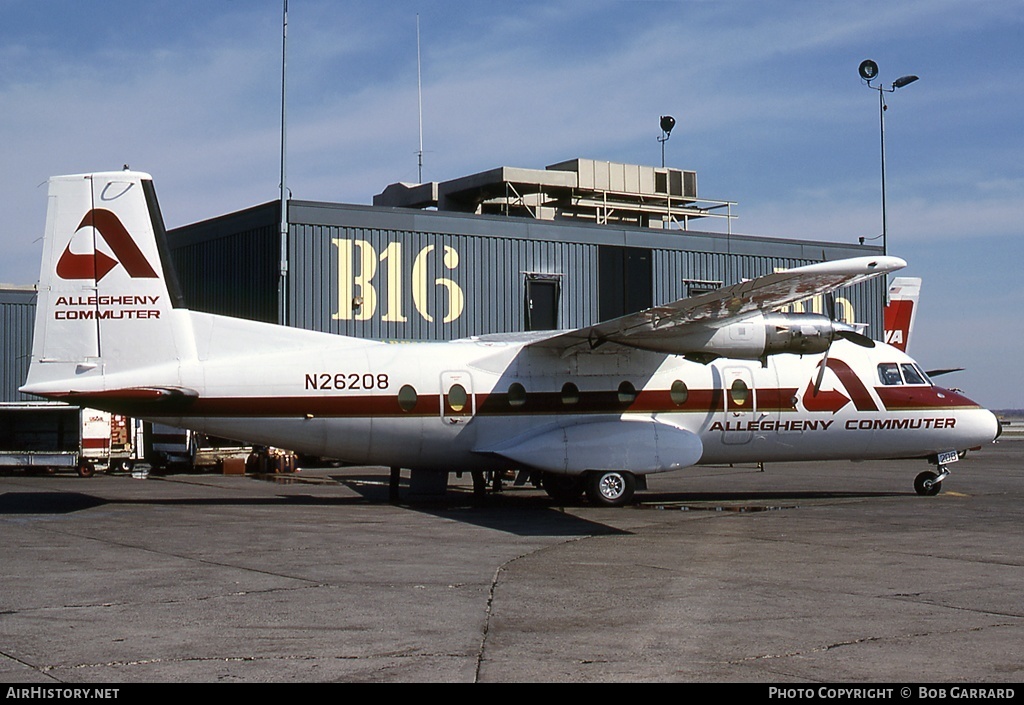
point(944, 371)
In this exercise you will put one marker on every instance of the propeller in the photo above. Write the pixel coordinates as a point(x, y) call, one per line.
point(839, 330)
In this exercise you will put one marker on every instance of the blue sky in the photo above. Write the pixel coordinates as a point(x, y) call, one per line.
point(770, 111)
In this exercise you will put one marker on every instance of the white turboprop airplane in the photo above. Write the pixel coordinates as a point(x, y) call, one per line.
point(717, 378)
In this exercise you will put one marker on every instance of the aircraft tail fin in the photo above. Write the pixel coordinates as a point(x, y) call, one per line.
point(107, 293)
point(901, 311)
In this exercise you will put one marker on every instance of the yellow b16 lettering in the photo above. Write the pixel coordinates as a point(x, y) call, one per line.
point(358, 268)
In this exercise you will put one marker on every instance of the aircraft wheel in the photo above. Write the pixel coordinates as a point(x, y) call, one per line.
point(925, 484)
point(564, 489)
point(85, 469)
point(610, 488)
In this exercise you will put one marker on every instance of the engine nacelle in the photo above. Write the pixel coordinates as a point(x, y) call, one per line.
point(751, 338)
point(798, 333)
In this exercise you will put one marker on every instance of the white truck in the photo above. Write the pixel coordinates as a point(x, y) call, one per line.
point(52, 436)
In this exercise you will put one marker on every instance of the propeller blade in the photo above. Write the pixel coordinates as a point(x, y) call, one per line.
point(856, 338)
point(821, 374)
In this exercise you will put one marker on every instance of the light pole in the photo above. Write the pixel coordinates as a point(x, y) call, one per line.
point(868, 72)
point(666, 124)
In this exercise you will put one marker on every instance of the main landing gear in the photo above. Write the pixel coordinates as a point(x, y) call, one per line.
point(604, 488)
point(610, 488)
point(564, 489)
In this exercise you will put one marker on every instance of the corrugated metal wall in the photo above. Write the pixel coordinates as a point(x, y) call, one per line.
point(229, 265)
point(475, 281)
point(389, 273)
point(17, 317)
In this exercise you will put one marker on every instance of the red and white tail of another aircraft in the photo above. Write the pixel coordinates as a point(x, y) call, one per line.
point(717, 378)
point(900, 312)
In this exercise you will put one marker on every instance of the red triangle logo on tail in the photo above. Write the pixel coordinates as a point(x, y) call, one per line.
point(97, 264)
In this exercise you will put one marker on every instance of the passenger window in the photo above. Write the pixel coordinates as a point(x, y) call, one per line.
point(516, 394)
point(457, 397)
point(407, 398)
point(889, 374)
point(739, 392)
point(912, 375)
point(570, 394)
point(679, 393)
point(627, 393)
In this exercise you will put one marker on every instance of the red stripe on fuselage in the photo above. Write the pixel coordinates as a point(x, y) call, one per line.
point(912, 398)
point(146, 403)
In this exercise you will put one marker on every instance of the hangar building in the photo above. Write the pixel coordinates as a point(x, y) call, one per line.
point(504, 250)
point(17, 317)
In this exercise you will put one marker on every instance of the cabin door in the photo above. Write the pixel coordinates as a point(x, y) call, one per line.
point(458, 403)
point(739, 405)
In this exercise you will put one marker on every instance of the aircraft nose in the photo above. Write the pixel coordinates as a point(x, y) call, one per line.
point(993, 427)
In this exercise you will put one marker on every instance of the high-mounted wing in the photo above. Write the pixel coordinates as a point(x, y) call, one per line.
point(714, 323)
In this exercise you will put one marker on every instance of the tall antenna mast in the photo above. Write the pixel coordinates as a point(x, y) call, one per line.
point(282, 287)
point(419, 94)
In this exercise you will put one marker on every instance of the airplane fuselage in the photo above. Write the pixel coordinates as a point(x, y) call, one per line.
point(447, 406)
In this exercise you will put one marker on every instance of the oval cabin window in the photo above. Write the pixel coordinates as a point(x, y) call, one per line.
point(679, 393)
point(739, 392)
point(407, 398)
point(516, 394)
point(457, 397)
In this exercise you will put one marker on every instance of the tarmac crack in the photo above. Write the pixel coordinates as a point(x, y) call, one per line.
point(26, 664)
point(864, 640)
point(189, 600)
point(919, 597)
point(49, 669)
point(488, 611)
point(184, 557)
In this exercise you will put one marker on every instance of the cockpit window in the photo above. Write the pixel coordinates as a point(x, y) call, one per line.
point(912, 375)
point(889, 374)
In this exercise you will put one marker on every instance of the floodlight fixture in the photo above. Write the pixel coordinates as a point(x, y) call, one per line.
point(667, 123)
point(868, 71)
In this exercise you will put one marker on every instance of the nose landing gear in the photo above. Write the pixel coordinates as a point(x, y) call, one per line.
point(928, 483)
